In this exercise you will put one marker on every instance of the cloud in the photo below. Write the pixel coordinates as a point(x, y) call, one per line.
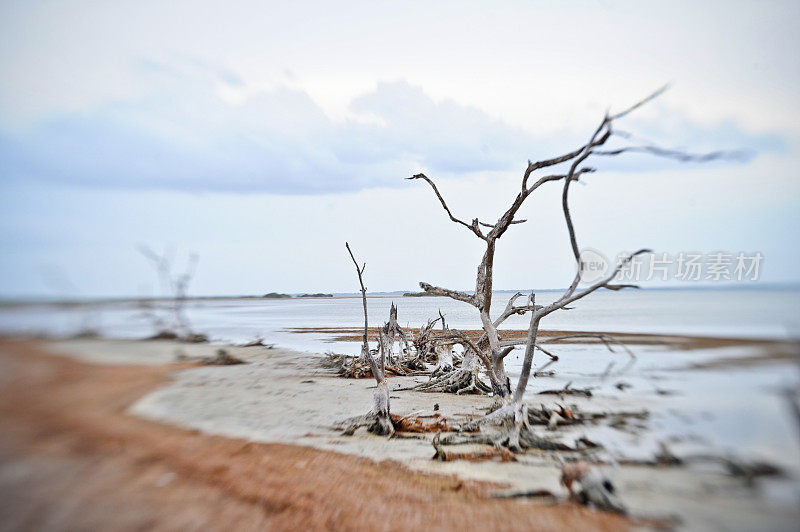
point(183, 136)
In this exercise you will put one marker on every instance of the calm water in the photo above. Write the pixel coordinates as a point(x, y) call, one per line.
point(771, 313)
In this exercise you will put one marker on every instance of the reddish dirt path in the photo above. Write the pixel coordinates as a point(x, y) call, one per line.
point(70, 458)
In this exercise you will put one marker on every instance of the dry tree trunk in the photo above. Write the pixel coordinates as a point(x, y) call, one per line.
point(377, 420)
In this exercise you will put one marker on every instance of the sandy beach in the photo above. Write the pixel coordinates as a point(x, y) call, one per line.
point(157, 439)
point(73, 457)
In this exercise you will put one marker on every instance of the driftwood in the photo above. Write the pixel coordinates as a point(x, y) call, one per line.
point(354, 367)
point(421, 424)
point(568, 390)
point(492, 453)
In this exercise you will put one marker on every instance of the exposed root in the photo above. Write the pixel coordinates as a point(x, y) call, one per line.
point(441, 370)
point(351, 367)
point(528, 439)
point(377, 424)
point(513, 431)
point(551, 417)
point(477, 456)
point(459, 381)
point(498, 416)
point(411, 365)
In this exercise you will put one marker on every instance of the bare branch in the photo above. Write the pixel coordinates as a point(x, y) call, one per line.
point(504, 352)
point(452, 294)
point(553, 358)
point(568, 297)
point(376, 372)
point(532, 167)
point(472, 227)
point(676, 154)
point(640, 103)
point(512, 222)
point(617, 287)
point(511, 310)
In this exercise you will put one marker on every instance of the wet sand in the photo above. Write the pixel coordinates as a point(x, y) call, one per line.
point(71, 457)
point(671, 341)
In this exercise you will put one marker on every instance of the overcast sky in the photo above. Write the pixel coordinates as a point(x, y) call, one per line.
point(263, 135)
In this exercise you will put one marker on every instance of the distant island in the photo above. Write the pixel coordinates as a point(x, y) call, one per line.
point(315, 295)
point(418, 294)
point(275, 295)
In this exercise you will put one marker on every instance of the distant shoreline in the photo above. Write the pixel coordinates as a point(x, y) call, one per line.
point(33, 301)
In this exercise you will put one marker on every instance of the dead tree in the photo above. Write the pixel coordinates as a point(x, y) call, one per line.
point(490, 350)
point(173, 323)
point(376, 420)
